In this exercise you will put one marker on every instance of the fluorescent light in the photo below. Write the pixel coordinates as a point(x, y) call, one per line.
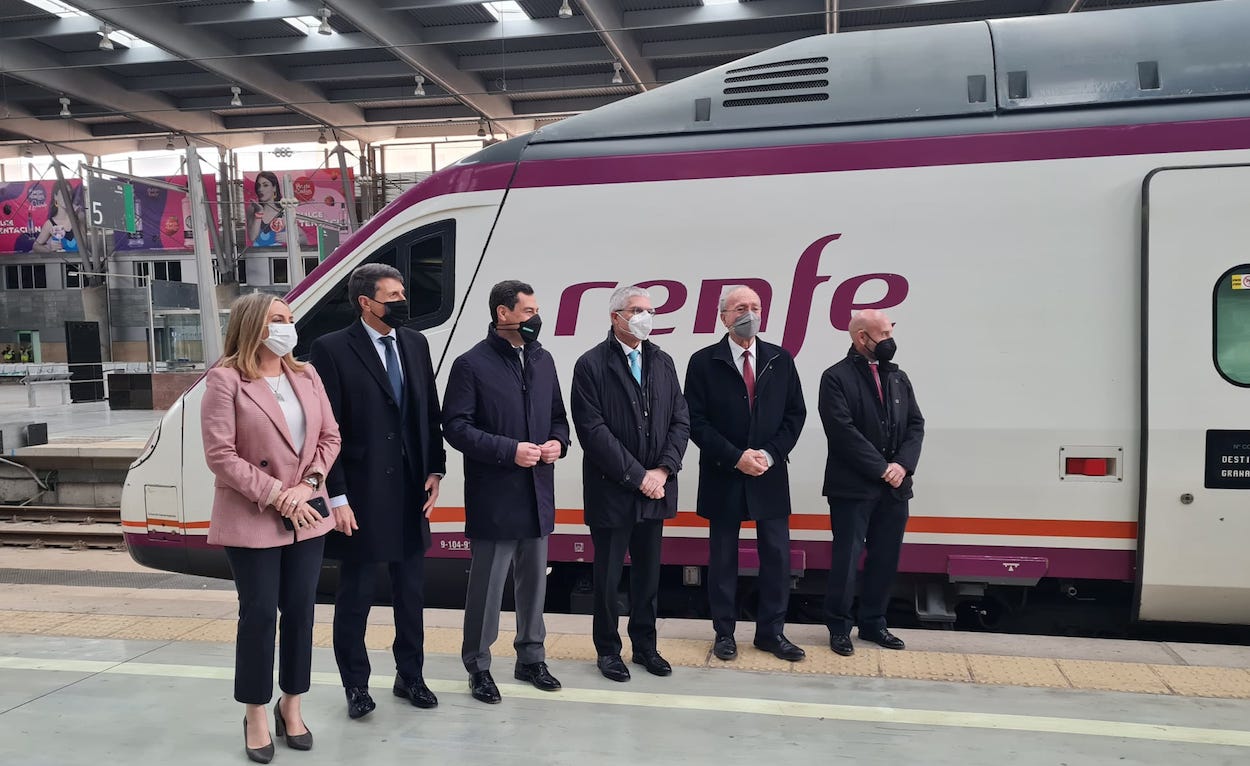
point(505, 10)
point(60, 9)
point(720, 2)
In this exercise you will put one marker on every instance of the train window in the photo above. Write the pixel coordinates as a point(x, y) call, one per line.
point(426, 259)
point(1232, 326)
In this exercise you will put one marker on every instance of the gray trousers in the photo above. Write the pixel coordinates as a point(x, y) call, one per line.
point(488, 570)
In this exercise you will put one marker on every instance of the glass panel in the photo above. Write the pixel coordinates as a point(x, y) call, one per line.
point(281, 275)
point(11, 281)
point(41, 276)
point(1232, 325)
point(174, 269)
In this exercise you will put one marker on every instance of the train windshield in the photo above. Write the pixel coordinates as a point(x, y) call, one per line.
point(426, 258)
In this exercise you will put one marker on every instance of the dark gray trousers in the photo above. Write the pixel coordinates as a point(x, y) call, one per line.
point(488, 571)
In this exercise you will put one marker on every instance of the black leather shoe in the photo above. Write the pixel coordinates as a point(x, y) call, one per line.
point(725, 648)
point(653, 662)
point(882, 637)
point(841, 643)
point(613, 667)
point(781, 647)
point(483, 688)
point(537, 674)
point(415, 692)
point(257, 754)
point(294, 741)
point(359, 703)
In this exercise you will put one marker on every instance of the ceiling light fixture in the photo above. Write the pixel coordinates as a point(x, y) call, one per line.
point(566, 10)
point(28, 152)
point(616, 73)
point(420, 90)
point(64, 107)
point(235, 100)
point(324, 28)
point(481, 129)
point(105, 43)
point(169, 143)
point(321, 136)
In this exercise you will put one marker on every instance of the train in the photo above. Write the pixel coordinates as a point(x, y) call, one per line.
point(1054, 210)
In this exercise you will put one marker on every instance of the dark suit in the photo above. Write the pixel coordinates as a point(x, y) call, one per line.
point(724, 425)
point(389, 449)
point(625, 430)
point(494, 402)
point(864, 435)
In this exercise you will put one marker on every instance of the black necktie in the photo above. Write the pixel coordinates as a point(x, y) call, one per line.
point(392, 368)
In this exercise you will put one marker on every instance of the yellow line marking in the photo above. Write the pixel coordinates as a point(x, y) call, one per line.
point(782, 708)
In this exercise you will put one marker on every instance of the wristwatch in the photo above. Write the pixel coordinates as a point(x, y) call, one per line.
point(312, 481)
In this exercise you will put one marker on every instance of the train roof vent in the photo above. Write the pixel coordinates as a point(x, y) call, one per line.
point(935, 71)
point(1154, 53)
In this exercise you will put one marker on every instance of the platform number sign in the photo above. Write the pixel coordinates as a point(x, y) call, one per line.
point(112, 204)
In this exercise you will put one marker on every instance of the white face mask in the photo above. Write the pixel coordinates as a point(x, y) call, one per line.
point(282, 339)
point(640, 325)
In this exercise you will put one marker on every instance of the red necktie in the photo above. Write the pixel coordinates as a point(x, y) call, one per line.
point(748, 377)
point(876, 376)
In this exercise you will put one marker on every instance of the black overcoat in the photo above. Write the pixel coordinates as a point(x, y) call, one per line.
point(625, 430)
point(381, 441)
point(723, 426)
point(490, 406)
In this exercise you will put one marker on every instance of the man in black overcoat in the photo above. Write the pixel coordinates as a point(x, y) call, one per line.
point(633, 425)
point(746, 414)
point(874, 429)
point(504, 412)
point(380, 382)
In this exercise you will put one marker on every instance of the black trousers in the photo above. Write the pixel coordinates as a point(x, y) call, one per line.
point(773, 544)
point(272, 580)
point(642, 540)
point(357, 581)
point(878, 526)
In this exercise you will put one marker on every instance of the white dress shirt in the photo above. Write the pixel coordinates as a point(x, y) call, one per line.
point(738, 352)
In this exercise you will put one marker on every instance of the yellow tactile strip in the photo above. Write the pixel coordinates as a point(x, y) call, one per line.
point(1181, 680)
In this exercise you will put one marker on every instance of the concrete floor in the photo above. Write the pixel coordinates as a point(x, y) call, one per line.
point(67, 701)
point(82, 422)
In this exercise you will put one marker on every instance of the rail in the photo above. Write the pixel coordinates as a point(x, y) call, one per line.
point(53, 526)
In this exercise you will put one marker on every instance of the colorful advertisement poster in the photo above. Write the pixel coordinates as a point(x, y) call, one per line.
point(34, 217)
point(319, 193)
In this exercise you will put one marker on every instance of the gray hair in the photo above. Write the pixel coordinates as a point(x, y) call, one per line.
point(724, 297)
point(620, 298)
point(364, 281)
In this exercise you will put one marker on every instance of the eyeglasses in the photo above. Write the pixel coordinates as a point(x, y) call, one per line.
point(635, 311)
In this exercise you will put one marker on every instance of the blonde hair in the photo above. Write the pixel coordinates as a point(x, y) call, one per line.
point(249, 316)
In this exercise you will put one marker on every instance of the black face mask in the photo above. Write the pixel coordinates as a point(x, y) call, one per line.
point(884, 350)
point(530, 328)
point(396, 313)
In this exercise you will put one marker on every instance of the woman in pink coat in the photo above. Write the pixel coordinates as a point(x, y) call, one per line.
point(269, 439)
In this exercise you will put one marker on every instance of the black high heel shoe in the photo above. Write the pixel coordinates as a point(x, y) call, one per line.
point(294, 741)
point(257, 754)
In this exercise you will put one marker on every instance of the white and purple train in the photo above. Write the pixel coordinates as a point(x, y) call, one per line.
point(1055, 210)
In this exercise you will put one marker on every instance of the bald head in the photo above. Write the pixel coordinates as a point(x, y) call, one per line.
point(868, 328)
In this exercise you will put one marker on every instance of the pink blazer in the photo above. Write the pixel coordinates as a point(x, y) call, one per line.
point(248, 448)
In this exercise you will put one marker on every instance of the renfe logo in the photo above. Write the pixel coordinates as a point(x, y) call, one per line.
point(797, 315)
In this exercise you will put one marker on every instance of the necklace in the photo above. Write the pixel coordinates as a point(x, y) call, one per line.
point(277, 389)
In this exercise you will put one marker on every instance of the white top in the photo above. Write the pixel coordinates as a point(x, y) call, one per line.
point(380, 348)
point(292, 410)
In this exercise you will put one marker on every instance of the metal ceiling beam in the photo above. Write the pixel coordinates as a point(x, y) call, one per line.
point(314, 43)
point(557, 83)
point(505, 30)
point(716, 46)
point(566, 105)
point(420, 114)
point(214, 53)
point(56, 27)
point(712, 14)
point(200, 103)
point(606, 17)
point(118, 57)
point(193, 81)
point(19, 121)
point(261, 121)
point(273, 10)
point(416, 5)
point(406, 43)
point(489, 62)
point(394, 93)
point(35, 63)
point(348, 72)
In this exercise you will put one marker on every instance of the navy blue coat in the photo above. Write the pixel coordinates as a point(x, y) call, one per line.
point(490, 406)
point(625, 430)
point(371, 467)
point(724, 427)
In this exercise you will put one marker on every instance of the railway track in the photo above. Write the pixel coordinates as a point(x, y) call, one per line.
point(51, 526)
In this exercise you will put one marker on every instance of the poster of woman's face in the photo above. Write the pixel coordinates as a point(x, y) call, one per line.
point(318, 194)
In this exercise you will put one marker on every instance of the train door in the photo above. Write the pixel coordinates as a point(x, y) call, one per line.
point(1195, 494)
